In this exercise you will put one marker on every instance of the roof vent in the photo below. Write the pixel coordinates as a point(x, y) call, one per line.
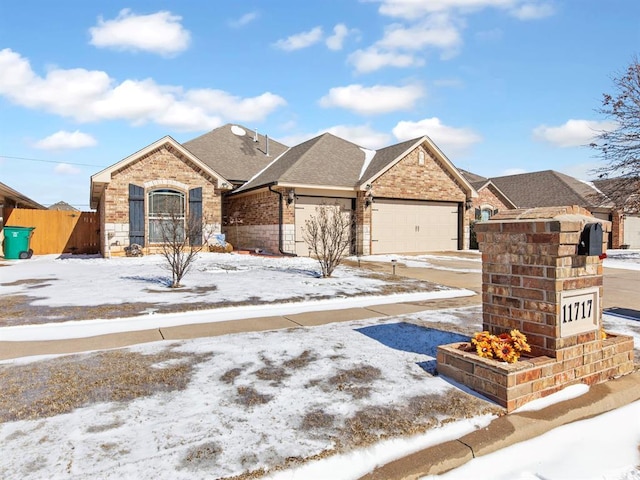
point(255, 137)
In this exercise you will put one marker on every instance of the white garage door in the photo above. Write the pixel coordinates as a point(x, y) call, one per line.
point(306, 208)
point(405, 226)
point(632, 231)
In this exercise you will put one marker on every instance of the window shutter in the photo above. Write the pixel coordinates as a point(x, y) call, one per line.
point(478, 214)
point(495, 212)
point(195, 216)
point(136, 214)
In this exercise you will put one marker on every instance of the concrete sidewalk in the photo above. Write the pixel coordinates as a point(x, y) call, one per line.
point(511, 429)
point(16, 349)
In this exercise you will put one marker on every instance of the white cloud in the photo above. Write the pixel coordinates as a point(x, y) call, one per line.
point(436, 31)
point(374, 100)
point(335, 41)
point(300, 40)
point(362, 135)
point(245, 19)
point(236, 108)
point(533, 11)
point(66, 169)
point(63, 140)
point(88, 96)
point(412, 9)
point(574, 133)
point(372, 59)
point(159, 33)
point(451, 140)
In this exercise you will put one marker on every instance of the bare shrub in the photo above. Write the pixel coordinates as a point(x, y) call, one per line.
point(328, 234)
point(201, 456)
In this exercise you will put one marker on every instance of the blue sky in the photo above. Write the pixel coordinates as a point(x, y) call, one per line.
point(502, 86)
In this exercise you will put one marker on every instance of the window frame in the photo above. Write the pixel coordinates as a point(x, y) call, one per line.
point(155, 218)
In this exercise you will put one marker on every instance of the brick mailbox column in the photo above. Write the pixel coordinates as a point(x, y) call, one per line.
point(539, 276)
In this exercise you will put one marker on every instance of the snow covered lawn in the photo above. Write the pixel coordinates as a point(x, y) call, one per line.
point(51, 289)
point(229, 406)
point(323, 402)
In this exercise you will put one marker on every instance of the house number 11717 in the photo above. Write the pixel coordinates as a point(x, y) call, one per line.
point(575, 311)
point(579, 311)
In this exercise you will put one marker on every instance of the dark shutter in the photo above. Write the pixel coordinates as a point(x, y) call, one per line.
point(136, 214)
point(195, 216)
point(478, 214)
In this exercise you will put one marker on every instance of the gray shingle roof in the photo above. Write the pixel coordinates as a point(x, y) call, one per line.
point(549, 189)
point(476, 180)
point(324, 160)
point(385, 156)
point(235, 157)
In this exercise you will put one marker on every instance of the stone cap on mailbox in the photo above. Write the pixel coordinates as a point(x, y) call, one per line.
point(568, 218)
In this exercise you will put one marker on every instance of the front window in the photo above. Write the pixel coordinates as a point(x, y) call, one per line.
point(166, 216)
point(485, 214)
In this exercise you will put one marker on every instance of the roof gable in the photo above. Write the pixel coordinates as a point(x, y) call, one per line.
point(235, 152)
point(326, 160)
point(387, 157)
point(102, 178)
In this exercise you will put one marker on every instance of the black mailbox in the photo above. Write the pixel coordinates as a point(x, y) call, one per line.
point(591, 240)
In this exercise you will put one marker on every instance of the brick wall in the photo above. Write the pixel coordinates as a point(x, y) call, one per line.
point(252, 221)
point(409, 180)
point(163, 167)
point(529, 261)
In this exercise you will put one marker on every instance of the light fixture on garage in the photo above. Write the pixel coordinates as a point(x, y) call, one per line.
point(291, 196)
point(368, 199)
point(469, 203)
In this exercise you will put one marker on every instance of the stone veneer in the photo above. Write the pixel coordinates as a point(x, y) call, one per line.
point(529, 264)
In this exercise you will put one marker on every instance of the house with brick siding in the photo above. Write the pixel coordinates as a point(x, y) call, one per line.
point(541, 189)
point(406, 197)
point(625, 193)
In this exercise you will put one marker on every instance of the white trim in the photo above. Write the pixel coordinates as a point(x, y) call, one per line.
point(166, 183)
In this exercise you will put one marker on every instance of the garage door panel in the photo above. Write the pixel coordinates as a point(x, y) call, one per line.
point(305, 208)
point(413, 226)
point(632, 231)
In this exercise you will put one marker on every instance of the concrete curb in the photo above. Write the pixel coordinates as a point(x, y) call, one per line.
point(510, 429)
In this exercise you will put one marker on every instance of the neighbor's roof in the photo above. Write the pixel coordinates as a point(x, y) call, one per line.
point(548, 189)
point(234, 151)
point(476, 180)
point(624, 191)
point(10, 196)
point(326, 160)
point(63, 206)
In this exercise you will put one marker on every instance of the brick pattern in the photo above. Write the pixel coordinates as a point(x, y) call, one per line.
point(162, 167)
point(252, 221)
point(487, 197)
point(512, 385)
point(526, 265)
point(529, 258)
point(408, 179)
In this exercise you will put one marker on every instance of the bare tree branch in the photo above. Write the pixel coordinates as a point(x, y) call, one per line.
point(328, 234)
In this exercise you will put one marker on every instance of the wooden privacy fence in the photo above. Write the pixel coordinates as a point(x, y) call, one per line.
point(58, 231)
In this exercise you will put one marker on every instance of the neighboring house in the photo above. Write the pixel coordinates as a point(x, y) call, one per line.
point(490, 199)
point(10, 199)
point(625, 193)
point(63, 206)
point(542, 189)
point(404, 198)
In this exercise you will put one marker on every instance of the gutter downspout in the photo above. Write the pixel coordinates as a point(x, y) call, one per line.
point(282, 252)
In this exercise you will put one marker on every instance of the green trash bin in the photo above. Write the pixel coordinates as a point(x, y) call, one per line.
point(16, 242)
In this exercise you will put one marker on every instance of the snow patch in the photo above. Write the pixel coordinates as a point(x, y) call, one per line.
point(236, 130)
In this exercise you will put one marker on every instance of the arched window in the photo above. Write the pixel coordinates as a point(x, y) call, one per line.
point(485, 213)
point(166, 216)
